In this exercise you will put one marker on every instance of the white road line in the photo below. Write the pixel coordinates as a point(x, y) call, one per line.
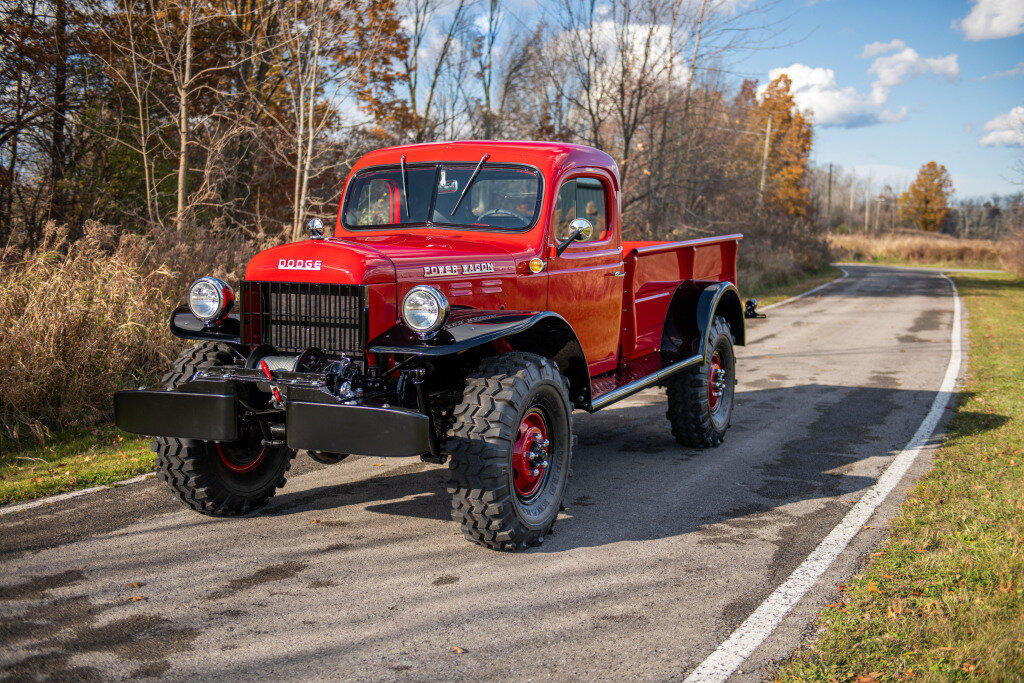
point(809, 291)
point(18, 507)
point(724, 661)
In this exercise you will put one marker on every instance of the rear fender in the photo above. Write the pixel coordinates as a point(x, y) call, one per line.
point(690, 314)
point(544, 333)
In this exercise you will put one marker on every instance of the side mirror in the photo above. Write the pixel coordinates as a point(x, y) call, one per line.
point(315, 226)
point(751, 310)
point(580, 229)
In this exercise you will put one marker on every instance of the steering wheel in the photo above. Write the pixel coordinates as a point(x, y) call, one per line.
point(498, 212)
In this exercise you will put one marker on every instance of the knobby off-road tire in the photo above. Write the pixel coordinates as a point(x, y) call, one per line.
point(220, 480)
point(699, 419)
point(507, 403)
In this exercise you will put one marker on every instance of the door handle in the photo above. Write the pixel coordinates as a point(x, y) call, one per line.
point(618, 273)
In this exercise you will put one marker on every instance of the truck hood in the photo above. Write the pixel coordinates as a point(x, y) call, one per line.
point(379, 259)
point(322, 261)
point(419, 258)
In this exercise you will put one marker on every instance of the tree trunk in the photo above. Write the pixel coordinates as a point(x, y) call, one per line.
point(183, 132)
point(60, 105)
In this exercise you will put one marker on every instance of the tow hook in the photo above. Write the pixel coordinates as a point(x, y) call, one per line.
point(751, 310)
point(277, 401)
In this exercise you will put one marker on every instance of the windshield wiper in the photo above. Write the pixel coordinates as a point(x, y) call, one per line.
point(470, 183)
point(405, 188)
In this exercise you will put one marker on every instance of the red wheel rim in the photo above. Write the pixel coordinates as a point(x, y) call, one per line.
point(530, 454)
point(716, 382)
point(240, 467)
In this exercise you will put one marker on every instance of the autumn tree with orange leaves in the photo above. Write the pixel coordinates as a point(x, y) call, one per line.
point(926, 201)
point(789, 144)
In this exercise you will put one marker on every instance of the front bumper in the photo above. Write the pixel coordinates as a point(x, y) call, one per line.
point(313, 420)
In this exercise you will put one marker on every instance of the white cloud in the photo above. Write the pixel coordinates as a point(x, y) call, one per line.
point(990, 19)
point(1005, 130)
point(875, 49)
point(1009, 73)
point(896, 69)
point(816, 92)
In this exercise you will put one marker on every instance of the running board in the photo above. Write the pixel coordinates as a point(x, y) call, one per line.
point(627, 390)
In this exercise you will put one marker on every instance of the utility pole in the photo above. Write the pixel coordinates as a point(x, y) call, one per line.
point(828, 202)
point(764, 161)
point(867, 207)
point(853, 195)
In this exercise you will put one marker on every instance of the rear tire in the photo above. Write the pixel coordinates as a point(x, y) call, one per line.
point(698, 416)
point(217, 479)
point(510, 451)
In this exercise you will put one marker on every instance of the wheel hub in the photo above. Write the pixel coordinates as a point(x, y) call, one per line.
point(530, 454)
point(240, 459)
point(717, 382)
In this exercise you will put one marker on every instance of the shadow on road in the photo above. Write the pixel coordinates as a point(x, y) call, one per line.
point(633, 482)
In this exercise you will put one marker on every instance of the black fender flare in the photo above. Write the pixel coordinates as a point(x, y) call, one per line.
point(184, 325)
point(690, 313)
point(542, 332)
point(720, 299)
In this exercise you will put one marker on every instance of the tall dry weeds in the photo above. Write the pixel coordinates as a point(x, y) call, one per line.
point(918, 247)
point(81, 320)
point(1012, 258)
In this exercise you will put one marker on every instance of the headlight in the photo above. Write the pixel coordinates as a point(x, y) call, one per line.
point(210, 299)
point(424, 310)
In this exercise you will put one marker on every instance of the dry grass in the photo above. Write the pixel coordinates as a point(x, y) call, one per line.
point(1012, 258)
point(79, 321)
point(920, 248)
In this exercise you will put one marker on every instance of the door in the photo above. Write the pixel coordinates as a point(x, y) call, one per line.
point(585, 282)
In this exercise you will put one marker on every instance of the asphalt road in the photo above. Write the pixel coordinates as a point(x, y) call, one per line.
point(355, 571)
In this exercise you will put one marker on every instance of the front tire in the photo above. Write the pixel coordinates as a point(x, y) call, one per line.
point(218, 479)
point(510, 451)
point(700, 398)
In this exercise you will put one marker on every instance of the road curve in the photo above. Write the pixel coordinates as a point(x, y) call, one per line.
point(355, 571)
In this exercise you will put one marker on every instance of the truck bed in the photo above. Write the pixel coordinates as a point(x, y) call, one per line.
point(654, 270)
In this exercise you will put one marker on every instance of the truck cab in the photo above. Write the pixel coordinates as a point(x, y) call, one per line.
point(470, 296)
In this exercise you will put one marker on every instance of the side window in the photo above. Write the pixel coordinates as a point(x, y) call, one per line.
point(565, 210)
point(581, 198)
point(590, 205)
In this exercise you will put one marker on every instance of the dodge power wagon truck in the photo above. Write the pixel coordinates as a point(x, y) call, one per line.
point(471, 297)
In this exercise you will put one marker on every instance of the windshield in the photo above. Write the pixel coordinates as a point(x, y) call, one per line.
point(499, 198)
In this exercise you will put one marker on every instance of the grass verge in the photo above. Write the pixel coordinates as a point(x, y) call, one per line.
point(79, 459)
point(70, 460)
point(943, 599)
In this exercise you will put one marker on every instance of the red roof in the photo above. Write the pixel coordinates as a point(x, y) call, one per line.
point(552, 158)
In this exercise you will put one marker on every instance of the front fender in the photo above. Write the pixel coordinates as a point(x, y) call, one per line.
point(464, 330)
point(544, 333)
point(184, 325)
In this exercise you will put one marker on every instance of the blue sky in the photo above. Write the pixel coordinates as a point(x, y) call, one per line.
point(888, 109)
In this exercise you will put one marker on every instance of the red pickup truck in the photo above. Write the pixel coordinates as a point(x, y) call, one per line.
point(471, 297)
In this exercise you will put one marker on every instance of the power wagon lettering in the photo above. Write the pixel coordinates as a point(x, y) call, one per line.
point(298, 264)
point(467, 269)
